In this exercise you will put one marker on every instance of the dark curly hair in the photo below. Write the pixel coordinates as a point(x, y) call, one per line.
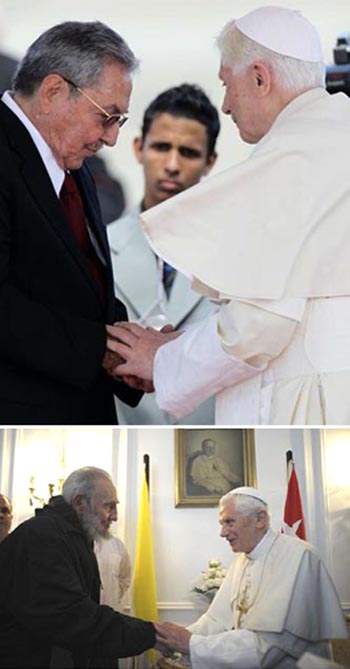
point(187, 100)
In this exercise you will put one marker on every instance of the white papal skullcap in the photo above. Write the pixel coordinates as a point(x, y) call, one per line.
point(285, 31)
point(251, 492)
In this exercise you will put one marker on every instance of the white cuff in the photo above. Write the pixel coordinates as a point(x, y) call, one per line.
point(193, 367)
point(235, 649)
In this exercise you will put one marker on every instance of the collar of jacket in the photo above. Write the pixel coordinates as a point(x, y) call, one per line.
point(59, 508)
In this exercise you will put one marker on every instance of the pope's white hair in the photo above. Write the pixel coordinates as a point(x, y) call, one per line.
point(238, 52)
point(83, 481)
point(245, 505)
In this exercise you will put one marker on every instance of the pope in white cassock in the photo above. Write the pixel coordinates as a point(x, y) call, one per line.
point(276, 602)
point(268, 239)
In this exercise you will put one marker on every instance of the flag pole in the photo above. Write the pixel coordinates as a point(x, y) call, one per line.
point(290, 463)
point(146, 463)
point(144, 584)
point(146, 472)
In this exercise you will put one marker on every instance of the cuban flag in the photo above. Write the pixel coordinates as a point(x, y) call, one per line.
point(293, 517)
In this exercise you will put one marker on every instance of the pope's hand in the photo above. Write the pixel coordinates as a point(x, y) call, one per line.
point(137, 347)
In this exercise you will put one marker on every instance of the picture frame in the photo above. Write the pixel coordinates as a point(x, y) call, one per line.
point(210, 462)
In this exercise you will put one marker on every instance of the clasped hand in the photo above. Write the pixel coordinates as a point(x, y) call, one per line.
point(172, 636)
point(131, 350)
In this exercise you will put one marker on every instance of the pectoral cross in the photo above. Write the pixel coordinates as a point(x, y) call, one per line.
point(242, 606)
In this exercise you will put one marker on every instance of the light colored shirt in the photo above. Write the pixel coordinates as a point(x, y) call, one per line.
point(115, 571)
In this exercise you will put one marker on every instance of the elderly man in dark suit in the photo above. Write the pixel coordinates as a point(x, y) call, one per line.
point(70, 97)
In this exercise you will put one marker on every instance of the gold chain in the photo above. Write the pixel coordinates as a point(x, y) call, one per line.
point(243, 606)
point(242, 600)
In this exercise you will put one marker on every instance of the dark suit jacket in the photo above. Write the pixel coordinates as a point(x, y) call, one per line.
point(52, 320)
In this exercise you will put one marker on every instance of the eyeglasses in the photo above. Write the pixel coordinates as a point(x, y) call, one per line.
point(110, 119)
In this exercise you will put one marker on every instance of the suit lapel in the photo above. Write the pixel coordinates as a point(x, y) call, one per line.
point(86, 187)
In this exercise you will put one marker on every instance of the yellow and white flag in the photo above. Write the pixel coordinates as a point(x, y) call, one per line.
point(144, 588)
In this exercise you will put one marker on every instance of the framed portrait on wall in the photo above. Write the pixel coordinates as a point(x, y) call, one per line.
point(210, 462)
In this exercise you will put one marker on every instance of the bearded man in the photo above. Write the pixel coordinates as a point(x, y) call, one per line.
point(50, 585)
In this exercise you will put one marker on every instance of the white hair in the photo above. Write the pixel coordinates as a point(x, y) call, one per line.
point(83, 481)
point(246, 505)
point(238, 52)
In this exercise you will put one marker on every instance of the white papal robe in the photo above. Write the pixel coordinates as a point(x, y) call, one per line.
point(290, 603)
point(270, 239)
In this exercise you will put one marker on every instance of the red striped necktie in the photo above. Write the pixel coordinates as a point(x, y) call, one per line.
point(73, 208)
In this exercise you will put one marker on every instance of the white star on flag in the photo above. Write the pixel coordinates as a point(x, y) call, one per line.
point(291, 530)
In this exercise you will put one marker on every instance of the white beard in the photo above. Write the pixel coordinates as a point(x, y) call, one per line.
point(92, 527)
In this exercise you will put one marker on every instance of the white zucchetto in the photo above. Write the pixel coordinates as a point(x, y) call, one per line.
point(285, 31)
point(250, 492)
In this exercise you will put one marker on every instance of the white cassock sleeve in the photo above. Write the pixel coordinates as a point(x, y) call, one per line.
point(223, 350)
point(244, 649)
point(228, 650)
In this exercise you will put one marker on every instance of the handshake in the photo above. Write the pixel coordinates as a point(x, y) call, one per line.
point(131, 350)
